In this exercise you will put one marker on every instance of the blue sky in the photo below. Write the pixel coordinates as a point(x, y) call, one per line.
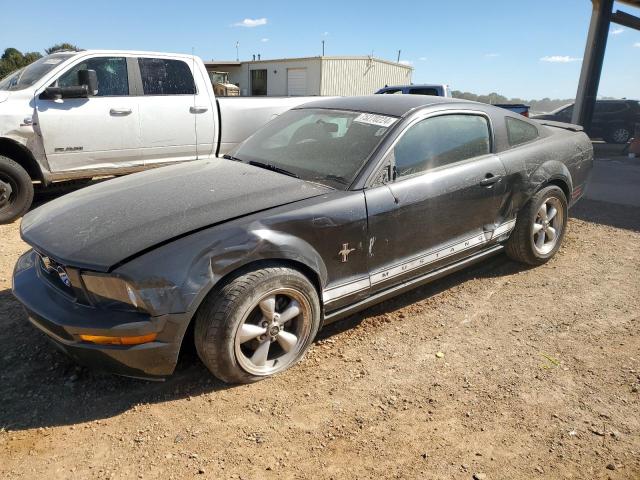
point(525, 48)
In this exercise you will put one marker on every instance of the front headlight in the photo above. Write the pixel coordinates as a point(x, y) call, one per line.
point(112, 292)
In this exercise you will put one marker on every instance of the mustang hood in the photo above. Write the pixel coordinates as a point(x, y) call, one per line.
point(99, 226)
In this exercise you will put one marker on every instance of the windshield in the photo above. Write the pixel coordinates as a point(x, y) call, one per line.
point(324, 146)
point(27, 76)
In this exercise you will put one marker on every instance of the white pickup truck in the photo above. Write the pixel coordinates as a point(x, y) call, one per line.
point(77, 115)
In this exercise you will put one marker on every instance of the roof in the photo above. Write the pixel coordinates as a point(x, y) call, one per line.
point(299, 59)
point(394, 105)
point(219, 63)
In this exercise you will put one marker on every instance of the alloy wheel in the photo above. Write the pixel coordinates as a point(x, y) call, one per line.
point(548, 225)
point(273, 332)
point(621, 135)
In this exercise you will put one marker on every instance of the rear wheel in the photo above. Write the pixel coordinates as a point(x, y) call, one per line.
point(16, 190)
point(618, 134)
point(540, 227)
point(257, 325)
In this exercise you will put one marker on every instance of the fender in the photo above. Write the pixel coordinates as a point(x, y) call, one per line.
point(190, 267)
point(552, 171)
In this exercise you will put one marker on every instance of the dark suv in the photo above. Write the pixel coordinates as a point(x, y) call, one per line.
point(613, 120)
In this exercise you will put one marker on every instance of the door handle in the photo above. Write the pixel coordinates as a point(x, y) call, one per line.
point(489, 179)
point(195, 109)
point(120, 111)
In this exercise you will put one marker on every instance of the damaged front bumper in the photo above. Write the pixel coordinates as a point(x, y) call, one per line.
point(63, 320)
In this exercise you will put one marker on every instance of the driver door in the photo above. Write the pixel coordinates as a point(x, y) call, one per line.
point(95, 133)
point(444, 202)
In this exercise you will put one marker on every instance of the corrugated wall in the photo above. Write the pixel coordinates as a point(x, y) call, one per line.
point(351, 76)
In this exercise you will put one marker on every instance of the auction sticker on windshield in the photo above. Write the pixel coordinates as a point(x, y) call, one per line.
point(373, 119)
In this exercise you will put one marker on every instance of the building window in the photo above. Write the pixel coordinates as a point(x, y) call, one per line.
point(259, 82)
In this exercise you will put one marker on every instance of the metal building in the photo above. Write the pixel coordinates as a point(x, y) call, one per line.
point(314, 75)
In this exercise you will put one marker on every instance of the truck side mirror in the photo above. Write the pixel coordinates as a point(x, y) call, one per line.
point(89, 79)
point(88, 86)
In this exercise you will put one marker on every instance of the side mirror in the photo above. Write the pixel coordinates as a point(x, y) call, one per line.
point(88, 86)
point(89, 79)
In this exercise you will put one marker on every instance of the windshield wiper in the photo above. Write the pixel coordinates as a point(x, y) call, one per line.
point(273, 168)
point(226, 156)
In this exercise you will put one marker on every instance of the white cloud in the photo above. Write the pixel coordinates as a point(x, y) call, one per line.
point(325, 34)
point(264, 40)
point(616, 31)
point(637, 44)
point(423, 59)
point(251, 22)
point(491, 55)
point(406, 62)
point(560, 59)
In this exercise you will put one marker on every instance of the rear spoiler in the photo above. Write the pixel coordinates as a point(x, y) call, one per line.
point(566, 126)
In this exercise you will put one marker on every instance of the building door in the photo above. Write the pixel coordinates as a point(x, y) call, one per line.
point(296, 82)
point(258, 82)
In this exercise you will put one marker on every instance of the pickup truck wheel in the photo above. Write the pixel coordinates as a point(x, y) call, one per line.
point(258, 324)
point(618, 135)
point(16, 190)
point(540, 227)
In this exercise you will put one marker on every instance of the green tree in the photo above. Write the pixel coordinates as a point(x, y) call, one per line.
point(60, 46)
point(13, 59)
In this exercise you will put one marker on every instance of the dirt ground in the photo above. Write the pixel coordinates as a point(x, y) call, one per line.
point(539, 378)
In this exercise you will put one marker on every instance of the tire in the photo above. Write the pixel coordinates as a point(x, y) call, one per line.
point(240, 343)
point(524, 244)
point(16, 190)
point(618, 135)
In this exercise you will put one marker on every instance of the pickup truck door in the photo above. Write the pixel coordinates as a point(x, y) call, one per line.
point(170, 109)
point(99, 132)
point(444, 202)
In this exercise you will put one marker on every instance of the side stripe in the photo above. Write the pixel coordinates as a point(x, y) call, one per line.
point(335, 293)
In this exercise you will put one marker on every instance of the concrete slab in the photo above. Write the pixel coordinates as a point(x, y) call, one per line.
point(615, 179)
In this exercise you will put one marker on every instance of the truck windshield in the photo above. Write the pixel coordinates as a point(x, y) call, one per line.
point(323, 146)
point(27, 76)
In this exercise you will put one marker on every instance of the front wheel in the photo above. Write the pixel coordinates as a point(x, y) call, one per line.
point(540, 227)
point(258, 324)
point(16, 190)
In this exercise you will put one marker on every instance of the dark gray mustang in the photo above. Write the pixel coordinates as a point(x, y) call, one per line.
point(326, 210)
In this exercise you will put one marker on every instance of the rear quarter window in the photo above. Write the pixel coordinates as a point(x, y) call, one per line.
point(519, 132)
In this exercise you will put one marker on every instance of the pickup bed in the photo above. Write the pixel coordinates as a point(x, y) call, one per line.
point(77, 115)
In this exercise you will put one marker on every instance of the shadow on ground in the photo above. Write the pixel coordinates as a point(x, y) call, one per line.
point(605, 213)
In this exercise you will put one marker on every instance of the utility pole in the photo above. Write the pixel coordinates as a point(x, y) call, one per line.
point(399, 56)
point(237, 54)
point(323, 48)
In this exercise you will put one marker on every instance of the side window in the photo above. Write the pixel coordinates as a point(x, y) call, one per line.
point(166, 77)
point(438, 141)
point(392, 91)
point(519, 132)
point(424, 91)
point(111, 71)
